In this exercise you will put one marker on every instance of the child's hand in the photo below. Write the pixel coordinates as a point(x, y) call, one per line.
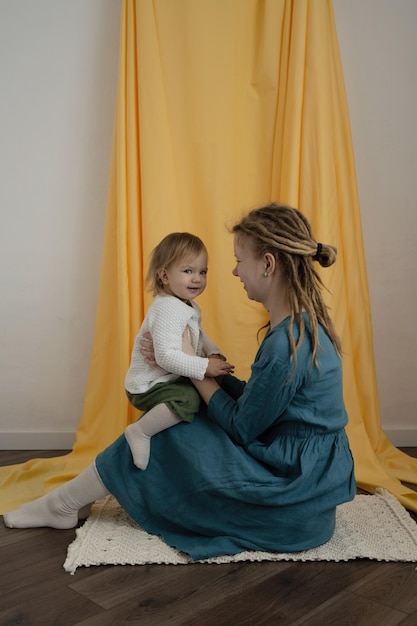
point(218, 367)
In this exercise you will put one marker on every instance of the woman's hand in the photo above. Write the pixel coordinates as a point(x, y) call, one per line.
point(186, 342)
point(146, 349)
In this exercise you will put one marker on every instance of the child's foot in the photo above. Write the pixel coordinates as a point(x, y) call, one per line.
point(49, 510)
point(139, 444)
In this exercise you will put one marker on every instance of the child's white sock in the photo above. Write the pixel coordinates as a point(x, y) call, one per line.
point(59, 508)
point(139, 434)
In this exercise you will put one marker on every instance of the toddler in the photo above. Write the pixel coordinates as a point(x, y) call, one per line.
point(177, 274)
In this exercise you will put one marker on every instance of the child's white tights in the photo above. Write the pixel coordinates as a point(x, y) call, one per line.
point(60, 508)
point(139, 433)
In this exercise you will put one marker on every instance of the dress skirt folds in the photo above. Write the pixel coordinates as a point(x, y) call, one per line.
point(207, 496)
point(263, 467)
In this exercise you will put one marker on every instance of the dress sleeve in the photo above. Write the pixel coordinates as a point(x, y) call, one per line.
point(232, 386)
point(264, 398)
point(167, 325)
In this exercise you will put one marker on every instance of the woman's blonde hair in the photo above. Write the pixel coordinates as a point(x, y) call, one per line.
point(286, 233)
point(173, 248)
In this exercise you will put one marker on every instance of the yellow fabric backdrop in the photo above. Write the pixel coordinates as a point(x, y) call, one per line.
point(223, 105)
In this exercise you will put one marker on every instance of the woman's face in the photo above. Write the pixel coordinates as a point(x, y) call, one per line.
point(249, 268)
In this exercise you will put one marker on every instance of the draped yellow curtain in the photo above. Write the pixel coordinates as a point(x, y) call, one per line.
point(223, 105)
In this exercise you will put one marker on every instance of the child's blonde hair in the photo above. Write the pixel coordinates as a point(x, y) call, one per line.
point(172, 249)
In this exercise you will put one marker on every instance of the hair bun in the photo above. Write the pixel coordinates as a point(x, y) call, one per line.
point(325, 255)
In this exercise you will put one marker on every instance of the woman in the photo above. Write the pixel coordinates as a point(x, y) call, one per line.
point(264, 465)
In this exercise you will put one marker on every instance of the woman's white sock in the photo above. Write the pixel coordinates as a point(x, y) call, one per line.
point(59, 508)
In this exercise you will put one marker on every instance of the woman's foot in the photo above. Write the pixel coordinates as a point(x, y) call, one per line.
point(62, 507)
point(49, 510)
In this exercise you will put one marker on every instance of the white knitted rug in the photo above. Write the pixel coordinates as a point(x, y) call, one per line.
point(374, 527)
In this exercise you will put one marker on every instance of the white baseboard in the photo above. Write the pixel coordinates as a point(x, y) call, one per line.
point(402, 437)
point(14, 440)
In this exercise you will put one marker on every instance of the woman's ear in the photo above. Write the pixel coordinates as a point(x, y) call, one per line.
point(270, 263)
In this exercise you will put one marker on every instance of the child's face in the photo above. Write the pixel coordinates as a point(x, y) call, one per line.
point(186, 279)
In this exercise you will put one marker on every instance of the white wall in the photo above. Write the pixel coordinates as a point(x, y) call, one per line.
point(58, 71)
point(379, 55)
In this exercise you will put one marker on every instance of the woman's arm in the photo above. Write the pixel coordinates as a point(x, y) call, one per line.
point(206, 388)
point(265, 397)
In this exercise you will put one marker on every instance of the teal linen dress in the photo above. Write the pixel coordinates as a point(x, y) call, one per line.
point(263, 467)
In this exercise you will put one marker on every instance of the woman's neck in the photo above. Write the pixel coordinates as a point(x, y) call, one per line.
point(278, 306)
point(276, 317)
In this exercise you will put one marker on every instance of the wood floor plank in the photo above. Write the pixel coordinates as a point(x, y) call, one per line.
point(60, 607)
point(36, 591)
point(411, 620)
point(28, 552)
point(15, 457)
point(32, 565)
point(394, 585)
point(347, 609)
point(278, 600)
point(259, 593)
point(167, 585)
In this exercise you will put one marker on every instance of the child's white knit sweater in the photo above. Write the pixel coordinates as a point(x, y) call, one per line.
point(166, 320)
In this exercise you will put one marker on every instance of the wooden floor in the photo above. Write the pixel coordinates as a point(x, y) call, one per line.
point(35, 589)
